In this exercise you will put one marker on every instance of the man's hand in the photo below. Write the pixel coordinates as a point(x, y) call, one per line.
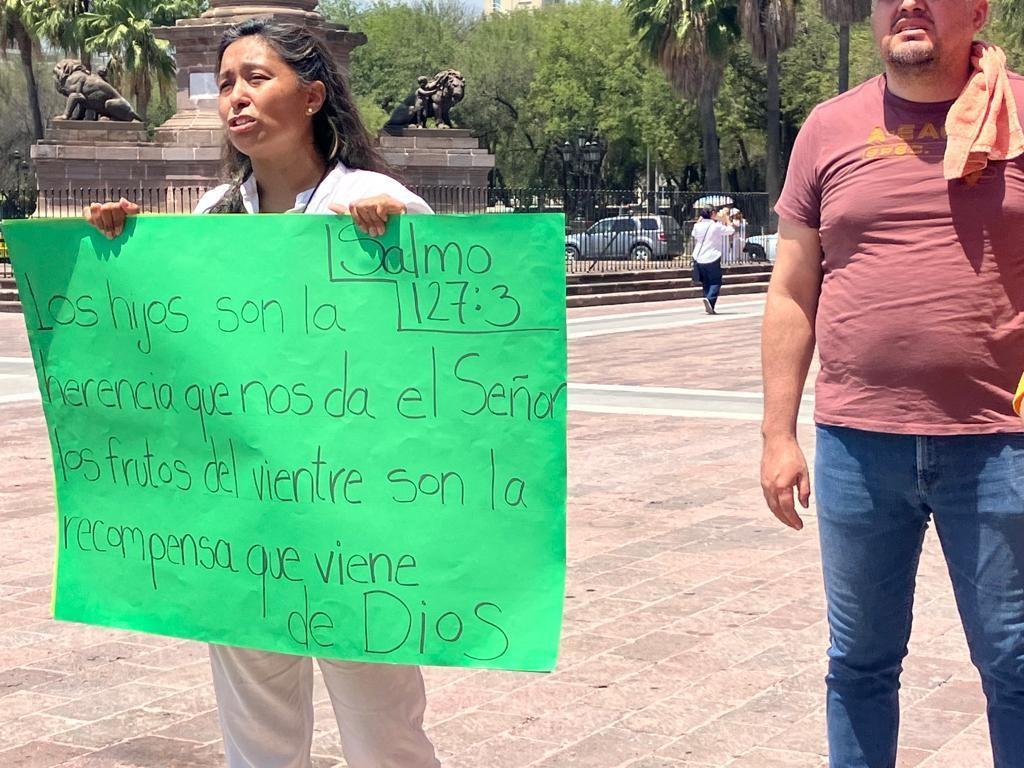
point(784, 467)
point(371, 213)
point(109, 218)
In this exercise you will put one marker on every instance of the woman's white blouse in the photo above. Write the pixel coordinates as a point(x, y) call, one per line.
point(342, 185)
point(710, 240)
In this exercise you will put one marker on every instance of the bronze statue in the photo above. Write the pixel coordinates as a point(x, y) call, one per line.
point(432, 98)
point(424, 96)
point(90, 97)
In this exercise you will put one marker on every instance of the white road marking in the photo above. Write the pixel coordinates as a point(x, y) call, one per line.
point(20, 398)
point(720, 318)
point(678, 391)
point(693, 309)
point(674, 401)
point(662, 319)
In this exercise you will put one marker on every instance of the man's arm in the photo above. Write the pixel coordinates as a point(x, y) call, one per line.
point(787, 344)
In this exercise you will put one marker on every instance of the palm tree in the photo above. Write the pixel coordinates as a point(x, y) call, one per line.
point(60, 22)
point(124, 30)
point(690, 40)
point(16, 23)
point(844, 13)
point(770, 27)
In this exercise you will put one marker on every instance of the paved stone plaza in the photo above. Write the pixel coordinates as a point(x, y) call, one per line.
point(694, 627)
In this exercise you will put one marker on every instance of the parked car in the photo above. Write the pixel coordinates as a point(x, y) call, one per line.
point(627, 237)
point(762, 247)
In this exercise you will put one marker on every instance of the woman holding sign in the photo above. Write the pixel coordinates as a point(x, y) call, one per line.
point(296, 145)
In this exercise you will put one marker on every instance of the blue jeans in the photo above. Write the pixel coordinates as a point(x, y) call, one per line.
point(875, 495)
point(710, 276)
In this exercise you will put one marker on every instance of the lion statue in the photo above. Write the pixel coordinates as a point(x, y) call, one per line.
point(90, 97)
point(432, 98)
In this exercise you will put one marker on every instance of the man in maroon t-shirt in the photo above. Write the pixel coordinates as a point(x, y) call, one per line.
point(913, 287)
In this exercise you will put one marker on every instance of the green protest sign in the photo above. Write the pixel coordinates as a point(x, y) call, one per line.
point(281, 433)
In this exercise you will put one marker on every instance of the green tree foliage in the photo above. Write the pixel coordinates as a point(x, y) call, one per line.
point(533, 80)
point(16, 130)
point(1009, 19)
point(405, 41)
point(139, 61)
point(60, 23)
point(17, 27)
point(769, 26)
point(845, 13)
point(807, 77)
point(499, 58)
point(691, 41)
point(622, 98)
point(1006, 29)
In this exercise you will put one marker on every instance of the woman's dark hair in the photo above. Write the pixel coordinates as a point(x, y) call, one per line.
point(338, 131)
point(706, 213)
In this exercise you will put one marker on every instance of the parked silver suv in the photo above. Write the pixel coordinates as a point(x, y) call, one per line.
point(627, 237)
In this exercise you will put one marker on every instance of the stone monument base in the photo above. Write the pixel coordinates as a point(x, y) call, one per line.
point(83, 161)
point(440, 163)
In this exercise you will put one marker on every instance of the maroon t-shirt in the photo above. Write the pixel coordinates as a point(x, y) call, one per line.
point(920, 325)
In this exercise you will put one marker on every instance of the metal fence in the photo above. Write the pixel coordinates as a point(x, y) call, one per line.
point(607, 230)
point(610, 230)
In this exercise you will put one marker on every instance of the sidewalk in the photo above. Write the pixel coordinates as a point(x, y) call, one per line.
point(694, 628)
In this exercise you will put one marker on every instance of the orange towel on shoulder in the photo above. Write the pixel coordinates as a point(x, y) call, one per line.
point(982, 124)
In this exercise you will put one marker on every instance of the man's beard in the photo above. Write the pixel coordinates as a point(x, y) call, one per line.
point(911, 57)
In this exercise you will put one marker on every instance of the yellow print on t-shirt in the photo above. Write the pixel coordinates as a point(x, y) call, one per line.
point(908, 140)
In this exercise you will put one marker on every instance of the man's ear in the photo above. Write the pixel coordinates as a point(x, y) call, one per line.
point(981, 11)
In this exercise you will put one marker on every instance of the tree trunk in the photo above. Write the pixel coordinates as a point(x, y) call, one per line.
point(143, 91)
point(24, 40)
point(709, 142)
point(844, 58)
point(85, 6)
point(773, 177)
point(748, 172)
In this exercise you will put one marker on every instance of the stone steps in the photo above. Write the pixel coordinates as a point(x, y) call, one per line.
point(9, 301)
point(589, 290)
point(638, 297)
point(672, 273)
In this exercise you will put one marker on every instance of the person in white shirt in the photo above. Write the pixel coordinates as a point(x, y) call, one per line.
point(296, 145)
point(708, 236)
point(739, 238)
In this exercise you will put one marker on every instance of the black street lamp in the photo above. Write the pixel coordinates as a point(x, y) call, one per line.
point(14, 203)
point(20, 169)
point(581, 160)
point(568, 153)
point(16, 159)
point(591, 156)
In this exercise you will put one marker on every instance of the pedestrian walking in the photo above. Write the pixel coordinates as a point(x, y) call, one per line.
point(709, 239)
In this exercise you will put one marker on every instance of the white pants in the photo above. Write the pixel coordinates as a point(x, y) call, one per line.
point(265, 703)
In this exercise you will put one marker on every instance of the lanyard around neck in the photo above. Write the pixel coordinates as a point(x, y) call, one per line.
point(323, 176)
